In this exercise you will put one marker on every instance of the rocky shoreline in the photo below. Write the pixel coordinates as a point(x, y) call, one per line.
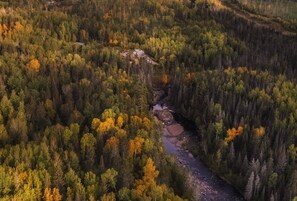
point(206, 185)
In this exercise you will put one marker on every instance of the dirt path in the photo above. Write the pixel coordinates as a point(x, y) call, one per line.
point(259, 20)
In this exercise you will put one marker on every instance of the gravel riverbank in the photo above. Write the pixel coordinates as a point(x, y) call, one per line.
point(206, 184)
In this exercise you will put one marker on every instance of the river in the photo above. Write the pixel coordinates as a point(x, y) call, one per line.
point(209, 186)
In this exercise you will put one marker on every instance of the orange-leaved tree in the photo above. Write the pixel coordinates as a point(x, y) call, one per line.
point(259, 131)
point(232, 133)
point(34, 65)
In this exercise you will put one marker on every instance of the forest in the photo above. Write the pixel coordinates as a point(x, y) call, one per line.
point(75, 119)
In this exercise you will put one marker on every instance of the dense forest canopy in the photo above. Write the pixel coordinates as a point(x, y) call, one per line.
point(74, 119)
point(74, 114)
point(251, 127)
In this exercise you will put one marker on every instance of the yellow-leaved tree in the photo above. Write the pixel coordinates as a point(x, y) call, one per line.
point(148, 181)
point(135, 146)
point(18, 26)
point(34, 65)
point(259, 131)
point(108, 197)
point(52, 195)
point(147, 187)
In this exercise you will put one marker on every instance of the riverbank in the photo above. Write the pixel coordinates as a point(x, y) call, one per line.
point(207, 186)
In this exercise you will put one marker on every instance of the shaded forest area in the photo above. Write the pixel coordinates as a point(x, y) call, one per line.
point(245, 115)
point(270, 44)
point(246, 123)
point(75, 121)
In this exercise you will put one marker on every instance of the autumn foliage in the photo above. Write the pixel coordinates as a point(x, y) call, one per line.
point(52, 194)
point(135, 146)
point(111, 143)
point(147, 186)
point(165, 79)
point(259, 132)
point(148, 180)
point(232, 133)
point(34, 65)
point(18, 26)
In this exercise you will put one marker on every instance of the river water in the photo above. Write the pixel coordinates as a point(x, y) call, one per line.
point(209, 186)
